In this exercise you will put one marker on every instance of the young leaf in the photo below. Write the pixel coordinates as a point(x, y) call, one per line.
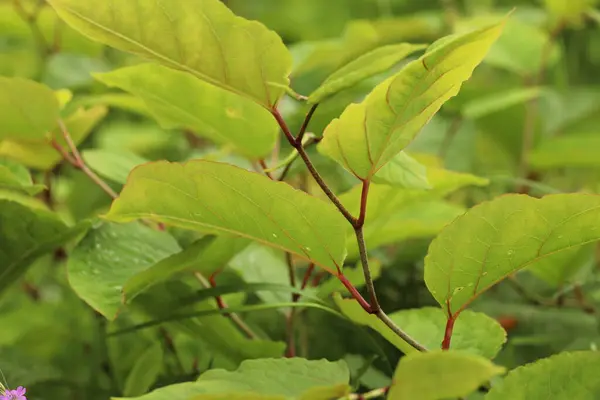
point(569, 375)
point(178, 100)
point(497, 238)
point(201, 37)
point(218, 198)
point(26, 233)
point(440, 375)
point(369, 64)
point(109, 256)
point(474, 333)
point(570, 11)
point(39, 153)
point(112, 164)
point(403, 171)
point(15, 176)
point(369, 134)
point(28, 110)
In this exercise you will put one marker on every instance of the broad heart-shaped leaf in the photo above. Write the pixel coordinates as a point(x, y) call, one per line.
point(403, 171)
point(108, 256)
point(440, 375)
point(206, 256)
point(219, 198)
point(39, 153)
point(26, 233)
point(566, 266)
point(178, 100)
point(567, 151)
point(497, 238)
point(369, 134)
point(369, 64)
point(201, 37)
point(474, 332)
point(112, 164)
point(15, 176)
point(279, 379)
point(28, 110)
point(569, 375)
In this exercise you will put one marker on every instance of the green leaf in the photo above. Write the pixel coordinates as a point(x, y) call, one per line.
point(474, 332)
point(178, 100)
point(26, 233)
point(226, 343)
point(109, 256)
point(369, 64)
point(219, 198)
point(569, 375)
point(15, 176)
point(403, 171)
point(369, 134)
point(206, 256)
point(440, 375)
point(269, 379)
point(258, 264)
point(112, 164)
point(489, 104)
point(564, 267)
point(523, 57)
point(145, 371)
point(39, 153)
point(396, 214)
point(243, 56)
point(28, 110)
point(497, 238)
point(566, 152)
point(570, 11)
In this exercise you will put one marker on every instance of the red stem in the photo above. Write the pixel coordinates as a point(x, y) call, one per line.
point(307, 119)
point(355, 294)
point(448, 333)
point(363, 204)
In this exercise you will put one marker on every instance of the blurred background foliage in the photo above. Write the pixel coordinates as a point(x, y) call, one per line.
point(528, 121)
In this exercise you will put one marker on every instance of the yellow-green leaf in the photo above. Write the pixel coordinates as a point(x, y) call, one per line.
point(369, 64)
point(112, 164)
point(474, 332)
point(497, 238)
point(178, 100)
point(569, 375)
point(441, 375)
point(368, 135)
point(39, 153)
point(220, 198)
point(28, 110)
point(403, 171)
point(201, 37)
point(570, 11)
point(15, 176)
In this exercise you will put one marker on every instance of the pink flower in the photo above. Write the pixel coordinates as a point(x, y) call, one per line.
point(16, 394)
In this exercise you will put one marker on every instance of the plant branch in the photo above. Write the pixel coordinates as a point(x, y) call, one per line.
point(357, 224)
point(265, 168)
point(223, 306)
point(291, 317)
point(304, 126)
point(311, 168)
point(31, 20)
point(532, 107)
point(77, 161)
